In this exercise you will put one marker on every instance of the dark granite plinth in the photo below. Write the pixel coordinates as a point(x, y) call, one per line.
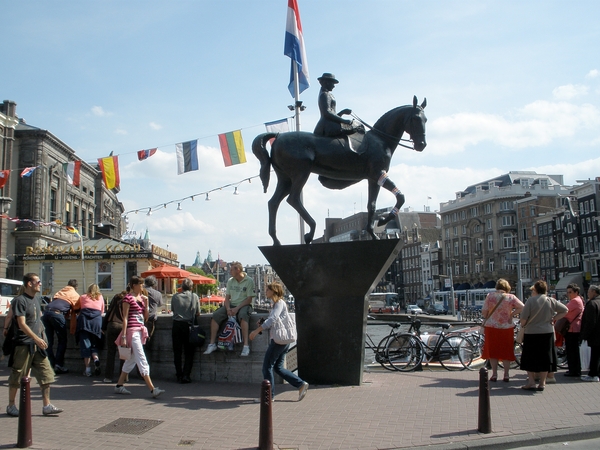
point(330, 282)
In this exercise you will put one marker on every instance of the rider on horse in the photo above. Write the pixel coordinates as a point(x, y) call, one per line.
point(331, 124)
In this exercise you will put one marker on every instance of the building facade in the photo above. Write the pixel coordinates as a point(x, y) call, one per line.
point(482, 238)
point(44, 203)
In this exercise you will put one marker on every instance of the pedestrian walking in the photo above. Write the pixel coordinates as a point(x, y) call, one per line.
point(275, 355)
point(133, 335)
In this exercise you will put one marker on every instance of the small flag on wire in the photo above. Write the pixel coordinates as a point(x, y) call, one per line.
point(109, 167)
point(187, 156)
point(294, 48)
point(277, 126)
point(145, 154)
point(28, 171)
point(72, 171)
point(73, 230)
point(4, 177)
point(232, 148)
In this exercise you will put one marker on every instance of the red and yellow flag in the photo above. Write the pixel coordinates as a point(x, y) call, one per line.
point(109, 167)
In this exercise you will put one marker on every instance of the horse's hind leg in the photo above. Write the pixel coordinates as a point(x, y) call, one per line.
point(388, 184)
point(281, 191)
point(295, 200)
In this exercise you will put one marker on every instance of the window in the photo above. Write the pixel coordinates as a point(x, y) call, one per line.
point(532, 211)
point(592, 205)
point(456, 248)
point(53, 209)
point(464, 229)
point(466, 268)
point(454, 217)
point(477, 228)
point(507, 240)
point(533, 229)
point(544, 183)
point(490, 241)
point(491, 265)
point(68, 213)
point(465, 247)
point(508, 221)
point(104, 275)
point(463, 215)
point(489, 223)
point(455, 231)
point(506, 206)
point(488, 208)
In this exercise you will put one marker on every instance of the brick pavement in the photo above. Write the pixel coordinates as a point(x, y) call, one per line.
point(391, 410)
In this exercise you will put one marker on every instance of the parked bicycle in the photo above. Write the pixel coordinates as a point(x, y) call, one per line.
point(379, 350)
point(407, 351)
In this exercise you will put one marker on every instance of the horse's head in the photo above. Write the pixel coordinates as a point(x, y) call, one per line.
point(415, 125)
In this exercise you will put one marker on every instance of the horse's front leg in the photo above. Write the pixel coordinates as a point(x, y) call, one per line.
point(295, 200)
point(371, 204)
point(281, 191)
point(385, 182)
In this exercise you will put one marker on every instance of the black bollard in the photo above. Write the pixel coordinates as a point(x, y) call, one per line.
point(485, 416)
point(265, 431)
point(24, 439)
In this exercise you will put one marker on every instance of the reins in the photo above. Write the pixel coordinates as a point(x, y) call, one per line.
point(385, 134)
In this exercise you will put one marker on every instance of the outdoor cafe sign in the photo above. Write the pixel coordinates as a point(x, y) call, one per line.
point(94, 252)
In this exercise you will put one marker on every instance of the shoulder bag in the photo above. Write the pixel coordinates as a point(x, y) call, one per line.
point(197, 334)
point(284, 328)
point(490, 315)
point(562, 325)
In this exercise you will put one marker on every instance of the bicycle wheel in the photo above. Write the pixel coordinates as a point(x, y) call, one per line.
point(404, 352)
point(381, 355)
point(455, 353)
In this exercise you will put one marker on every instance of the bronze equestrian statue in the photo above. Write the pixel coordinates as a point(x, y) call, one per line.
point(339, 164)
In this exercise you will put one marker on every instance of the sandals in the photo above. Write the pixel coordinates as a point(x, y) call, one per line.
point(529, 388)
point(494, 378)
point(506, 379)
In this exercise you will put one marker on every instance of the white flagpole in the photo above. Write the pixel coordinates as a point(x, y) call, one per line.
point(297, 105)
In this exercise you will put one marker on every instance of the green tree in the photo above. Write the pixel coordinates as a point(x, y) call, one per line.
point(203, 289)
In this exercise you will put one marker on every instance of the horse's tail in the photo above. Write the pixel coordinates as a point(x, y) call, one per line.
point(259, 150)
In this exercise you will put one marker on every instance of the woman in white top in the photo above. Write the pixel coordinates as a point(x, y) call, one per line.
point(275, 355)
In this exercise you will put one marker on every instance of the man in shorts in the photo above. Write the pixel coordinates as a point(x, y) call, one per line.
point(238, 303)
point(30, 346)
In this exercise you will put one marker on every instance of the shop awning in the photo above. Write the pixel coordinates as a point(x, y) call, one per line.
point(569, 278)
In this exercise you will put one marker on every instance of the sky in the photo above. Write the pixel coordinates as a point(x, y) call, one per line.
point(510, 86)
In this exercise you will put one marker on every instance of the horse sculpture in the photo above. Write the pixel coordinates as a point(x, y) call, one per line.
point(295, 155)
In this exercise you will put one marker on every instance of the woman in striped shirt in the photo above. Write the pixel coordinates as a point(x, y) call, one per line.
point(134, 335)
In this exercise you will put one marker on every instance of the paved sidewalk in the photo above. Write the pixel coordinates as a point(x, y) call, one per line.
point(391, 410)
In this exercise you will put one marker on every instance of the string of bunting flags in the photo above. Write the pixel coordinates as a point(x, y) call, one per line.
point(231, 145)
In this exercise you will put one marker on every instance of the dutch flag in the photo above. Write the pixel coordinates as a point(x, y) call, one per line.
point(294, 47)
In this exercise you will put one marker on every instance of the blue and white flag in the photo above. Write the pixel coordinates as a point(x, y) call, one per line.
point(277, 126)
point(187, 156)
point(294, 47)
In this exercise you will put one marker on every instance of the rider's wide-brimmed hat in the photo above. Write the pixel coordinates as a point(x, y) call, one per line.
point(328, 76)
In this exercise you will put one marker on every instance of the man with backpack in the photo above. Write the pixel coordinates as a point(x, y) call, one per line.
point(238, 303)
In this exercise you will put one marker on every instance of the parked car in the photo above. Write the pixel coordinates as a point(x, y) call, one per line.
point(437, 309)
point(413, 309)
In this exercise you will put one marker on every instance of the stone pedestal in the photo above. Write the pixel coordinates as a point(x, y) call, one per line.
point(330, 283)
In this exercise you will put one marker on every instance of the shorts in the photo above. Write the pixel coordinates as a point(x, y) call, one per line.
point(40, 367)
point(220, 315)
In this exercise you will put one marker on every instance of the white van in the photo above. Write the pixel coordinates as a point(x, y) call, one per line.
point(9, 289)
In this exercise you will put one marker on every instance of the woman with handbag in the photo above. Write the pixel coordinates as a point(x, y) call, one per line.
point(134, 335)
point(571, 334)
point(275, 355)
point(539, 354)
point(498, 311)
point(185, 306)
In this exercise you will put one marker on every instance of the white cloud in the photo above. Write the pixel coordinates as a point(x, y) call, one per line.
point(592, 73)
point(100, 112)
point(155, 126)
point(121, 131)
point(569, 91)
point(537, 124)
